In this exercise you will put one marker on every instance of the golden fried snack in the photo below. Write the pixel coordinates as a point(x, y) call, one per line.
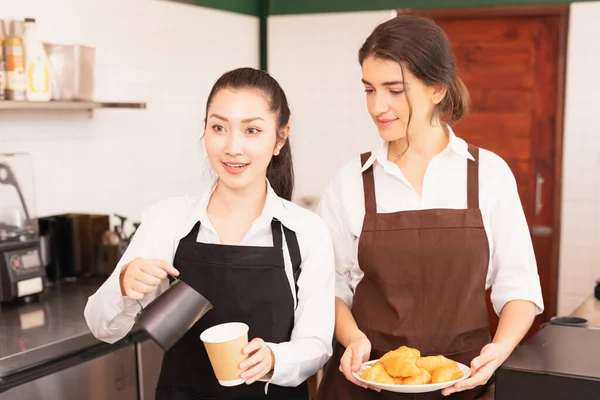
point(401, 367)
point(402, 352)
point(420, 379)
point(445, 374)
point(398, 381)
point(432, 363)
point(377, 373)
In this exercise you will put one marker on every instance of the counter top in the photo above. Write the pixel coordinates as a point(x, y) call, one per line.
point(47, 330)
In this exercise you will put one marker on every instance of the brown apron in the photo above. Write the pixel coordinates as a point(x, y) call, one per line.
point(423, 286)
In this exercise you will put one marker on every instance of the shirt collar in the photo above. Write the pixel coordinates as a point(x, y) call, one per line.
point(455, 145)
point(274, 208)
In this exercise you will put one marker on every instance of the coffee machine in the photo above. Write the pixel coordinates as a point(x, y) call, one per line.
point(22, 274)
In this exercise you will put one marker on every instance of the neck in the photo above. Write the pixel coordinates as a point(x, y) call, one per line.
point(427, 140)
point(246, 202)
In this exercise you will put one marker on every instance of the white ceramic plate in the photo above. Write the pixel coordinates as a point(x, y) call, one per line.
point(430, 387)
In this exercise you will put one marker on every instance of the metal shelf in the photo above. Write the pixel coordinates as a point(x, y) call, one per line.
point(8, 105)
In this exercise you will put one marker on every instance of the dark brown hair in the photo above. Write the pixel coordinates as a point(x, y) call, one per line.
point(280, 171)
point(420, 45)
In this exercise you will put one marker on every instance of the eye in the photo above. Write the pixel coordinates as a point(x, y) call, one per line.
point(253, 131)
point(396, 92)
point(218, 128)
point(368, 90)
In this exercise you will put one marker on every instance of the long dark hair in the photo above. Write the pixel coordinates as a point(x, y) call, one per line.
point(420, 45)
point(280, 171)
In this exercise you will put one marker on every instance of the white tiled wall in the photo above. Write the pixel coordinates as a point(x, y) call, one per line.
point(580, 241)
point(315, 58)
point(164, 53)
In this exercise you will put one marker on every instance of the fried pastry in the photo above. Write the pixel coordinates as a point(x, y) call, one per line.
point(432, 363)
point(398, 381)
point(377, 373)
point(402, 352)
point(422, 378)
point(401, 367)
point(445, 374)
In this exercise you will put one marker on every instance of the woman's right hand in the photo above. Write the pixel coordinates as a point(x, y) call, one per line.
point(357, 352)
point(141, 276)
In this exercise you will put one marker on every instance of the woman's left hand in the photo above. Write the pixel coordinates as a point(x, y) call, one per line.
point(260, 361)
point(482, 368)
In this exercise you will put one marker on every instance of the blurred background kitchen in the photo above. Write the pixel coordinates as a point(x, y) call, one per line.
point(113, 117)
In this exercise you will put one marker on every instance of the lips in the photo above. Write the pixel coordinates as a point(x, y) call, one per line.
point(235, 168)
point(384, 123)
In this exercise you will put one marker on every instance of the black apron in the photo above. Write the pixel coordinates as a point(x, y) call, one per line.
point(244, 284)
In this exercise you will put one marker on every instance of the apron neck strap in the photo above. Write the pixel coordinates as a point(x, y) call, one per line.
point(294, 249)
point(193, 234)
point(473, 178)
point(368, 185)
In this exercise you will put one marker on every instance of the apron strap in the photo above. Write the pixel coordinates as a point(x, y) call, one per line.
point(368, 185)
point(473, 178)
point(293, 248)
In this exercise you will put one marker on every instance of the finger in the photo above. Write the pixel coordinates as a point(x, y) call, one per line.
point(346, 368)
point(482, 359)
point(357, 360)
point(255, 373)
point(255, 359)
point(148, 279)
point(155, 270)
point(141, 287)
point(133, 294)
point(346, 361)
point(478, 378)
point(168, 267)
point(253, 346)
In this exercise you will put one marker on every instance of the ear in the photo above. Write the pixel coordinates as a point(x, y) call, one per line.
point(438, 93)
point(281, 139)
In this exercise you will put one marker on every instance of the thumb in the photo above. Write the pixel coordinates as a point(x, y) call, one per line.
point(481, 360)
point(357, 360)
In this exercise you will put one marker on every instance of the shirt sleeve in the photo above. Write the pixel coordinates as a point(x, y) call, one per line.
point(514, 269)
point(347, 271)
point(310, 345)
point(110, 315)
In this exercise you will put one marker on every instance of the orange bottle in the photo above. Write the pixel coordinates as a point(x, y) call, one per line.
point(15, 63)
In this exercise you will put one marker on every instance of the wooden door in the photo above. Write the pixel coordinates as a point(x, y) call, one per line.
point(511, 60)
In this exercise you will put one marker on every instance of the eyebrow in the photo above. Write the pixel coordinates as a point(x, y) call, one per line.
point(390, 83)
point(245, 120)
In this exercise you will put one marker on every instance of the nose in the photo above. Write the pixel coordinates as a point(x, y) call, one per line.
point(380, 103)
point(234, 144)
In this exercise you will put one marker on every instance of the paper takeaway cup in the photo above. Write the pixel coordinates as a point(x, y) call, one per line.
point(224, 344)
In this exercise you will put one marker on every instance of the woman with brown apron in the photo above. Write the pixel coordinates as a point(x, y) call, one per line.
point(423, 226)
point(258, 258)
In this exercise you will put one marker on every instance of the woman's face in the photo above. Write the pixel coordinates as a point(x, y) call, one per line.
point(240, 137)
point(386, 89)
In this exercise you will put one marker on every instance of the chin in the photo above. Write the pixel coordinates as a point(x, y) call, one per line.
point(391, 136)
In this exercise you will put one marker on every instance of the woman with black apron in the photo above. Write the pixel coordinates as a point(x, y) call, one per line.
point(423, 226)
point(258, 258)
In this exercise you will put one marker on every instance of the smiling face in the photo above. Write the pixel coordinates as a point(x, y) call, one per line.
point(240, 137)
point(387, 89)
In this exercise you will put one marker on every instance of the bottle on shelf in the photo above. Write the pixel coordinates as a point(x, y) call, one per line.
point(2, 62)
point(16, 81)
point(37, 64)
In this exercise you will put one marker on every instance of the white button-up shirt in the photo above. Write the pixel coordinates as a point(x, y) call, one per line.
point(110, 316)
point(512, 271)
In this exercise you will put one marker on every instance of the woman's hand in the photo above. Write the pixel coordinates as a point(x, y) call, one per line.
point(357, 352)
point(141, 276)
point(260, 361)
point(482, 367)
